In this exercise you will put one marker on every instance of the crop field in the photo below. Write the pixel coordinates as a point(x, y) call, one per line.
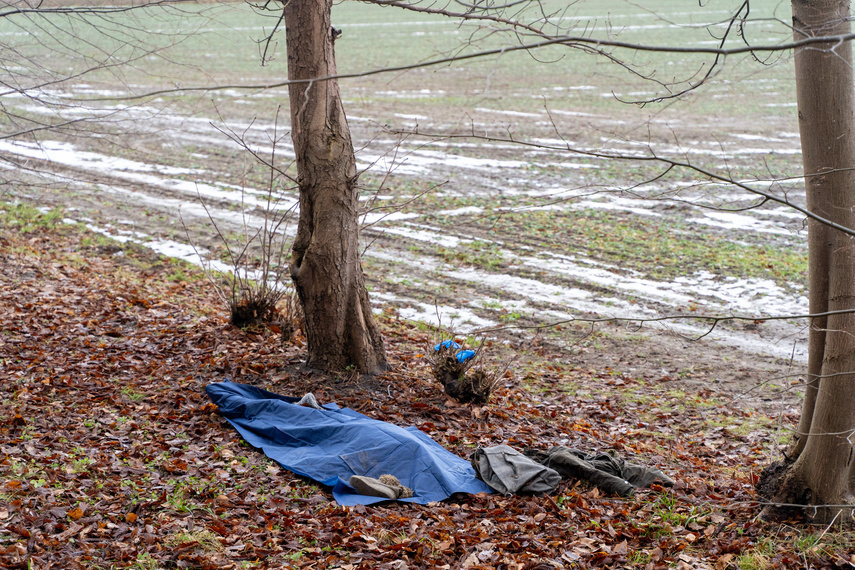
point(515, 189)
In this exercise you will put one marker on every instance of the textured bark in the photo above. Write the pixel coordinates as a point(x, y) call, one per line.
point(823, 472)
point(325, 263)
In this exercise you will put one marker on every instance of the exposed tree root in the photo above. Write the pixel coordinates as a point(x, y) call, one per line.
point(778, 484)
point(790, 497)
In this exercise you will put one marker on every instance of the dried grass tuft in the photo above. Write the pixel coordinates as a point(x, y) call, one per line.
point(460, 377)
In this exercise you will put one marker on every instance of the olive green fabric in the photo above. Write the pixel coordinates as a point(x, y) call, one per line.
point(604, 470)
point(509, 472)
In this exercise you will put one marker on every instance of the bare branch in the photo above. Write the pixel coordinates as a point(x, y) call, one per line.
point(653, 157)
point(575, 42)
point(89, 9)
point(715, 319)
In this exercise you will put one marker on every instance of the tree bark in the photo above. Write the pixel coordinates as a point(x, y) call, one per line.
point(823, 472)
point(325, 261)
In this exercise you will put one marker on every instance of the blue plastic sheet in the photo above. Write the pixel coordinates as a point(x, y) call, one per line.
point(331, 444)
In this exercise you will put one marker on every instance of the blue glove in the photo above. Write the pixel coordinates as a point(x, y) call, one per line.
point(446, 344)
point(465, 355)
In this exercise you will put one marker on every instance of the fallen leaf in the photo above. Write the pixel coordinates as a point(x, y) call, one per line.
point(710, 530)
point(723, 562)
point(471, 560)
point(20, 530)
point(612, 532)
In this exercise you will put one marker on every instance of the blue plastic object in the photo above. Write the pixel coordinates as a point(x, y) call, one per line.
point(331, 444)
point(465, 355)
point(446, 344)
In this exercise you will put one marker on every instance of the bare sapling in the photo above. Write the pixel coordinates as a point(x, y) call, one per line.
point(254, 283)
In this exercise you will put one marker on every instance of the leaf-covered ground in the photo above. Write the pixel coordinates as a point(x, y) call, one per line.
point(112, 457)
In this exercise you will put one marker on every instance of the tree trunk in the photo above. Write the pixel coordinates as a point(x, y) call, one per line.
point(325, 262)
point(824, 471)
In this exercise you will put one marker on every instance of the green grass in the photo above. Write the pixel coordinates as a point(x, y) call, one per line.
point(132, 394)
point(27, 218)
point(201, 45)
point(651, 247)
point(207, 540)
point(822, 543)
point(406, 38)
point(658, 250)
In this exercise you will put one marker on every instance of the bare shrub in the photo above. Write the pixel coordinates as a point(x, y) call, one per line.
point(256, 278)
point(291, 318)
point(255, 283)
point(454, 366)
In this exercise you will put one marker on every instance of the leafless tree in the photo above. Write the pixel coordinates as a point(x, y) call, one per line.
point(325, 264)
point(823, 472)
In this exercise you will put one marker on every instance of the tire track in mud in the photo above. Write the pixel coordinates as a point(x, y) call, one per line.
point(533, 286)
point(548, 287)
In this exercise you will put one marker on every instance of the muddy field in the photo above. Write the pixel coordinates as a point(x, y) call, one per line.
point(480, 212)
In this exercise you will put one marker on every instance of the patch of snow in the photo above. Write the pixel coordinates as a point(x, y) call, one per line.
point(170, 248)
point(458, 319)
point(733, 221)
point(66, 154)
point(640, 207)
point(508, 113)
point(411, 117)
point(423, 235)
point(461, 211)
point(748, 137)
point(372, 218)
point(422, 161)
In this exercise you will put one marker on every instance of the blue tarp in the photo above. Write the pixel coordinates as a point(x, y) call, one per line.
point(331, 444)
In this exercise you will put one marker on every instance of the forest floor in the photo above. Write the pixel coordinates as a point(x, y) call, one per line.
point(111, 455)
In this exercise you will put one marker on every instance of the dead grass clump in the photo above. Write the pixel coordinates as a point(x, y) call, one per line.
point(251, 311)
point(452, 365)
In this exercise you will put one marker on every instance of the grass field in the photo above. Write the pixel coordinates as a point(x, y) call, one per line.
point(209, 45)
point(492, 214)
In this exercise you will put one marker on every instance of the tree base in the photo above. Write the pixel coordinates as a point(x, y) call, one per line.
point(776, 485)
point(782, 484)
